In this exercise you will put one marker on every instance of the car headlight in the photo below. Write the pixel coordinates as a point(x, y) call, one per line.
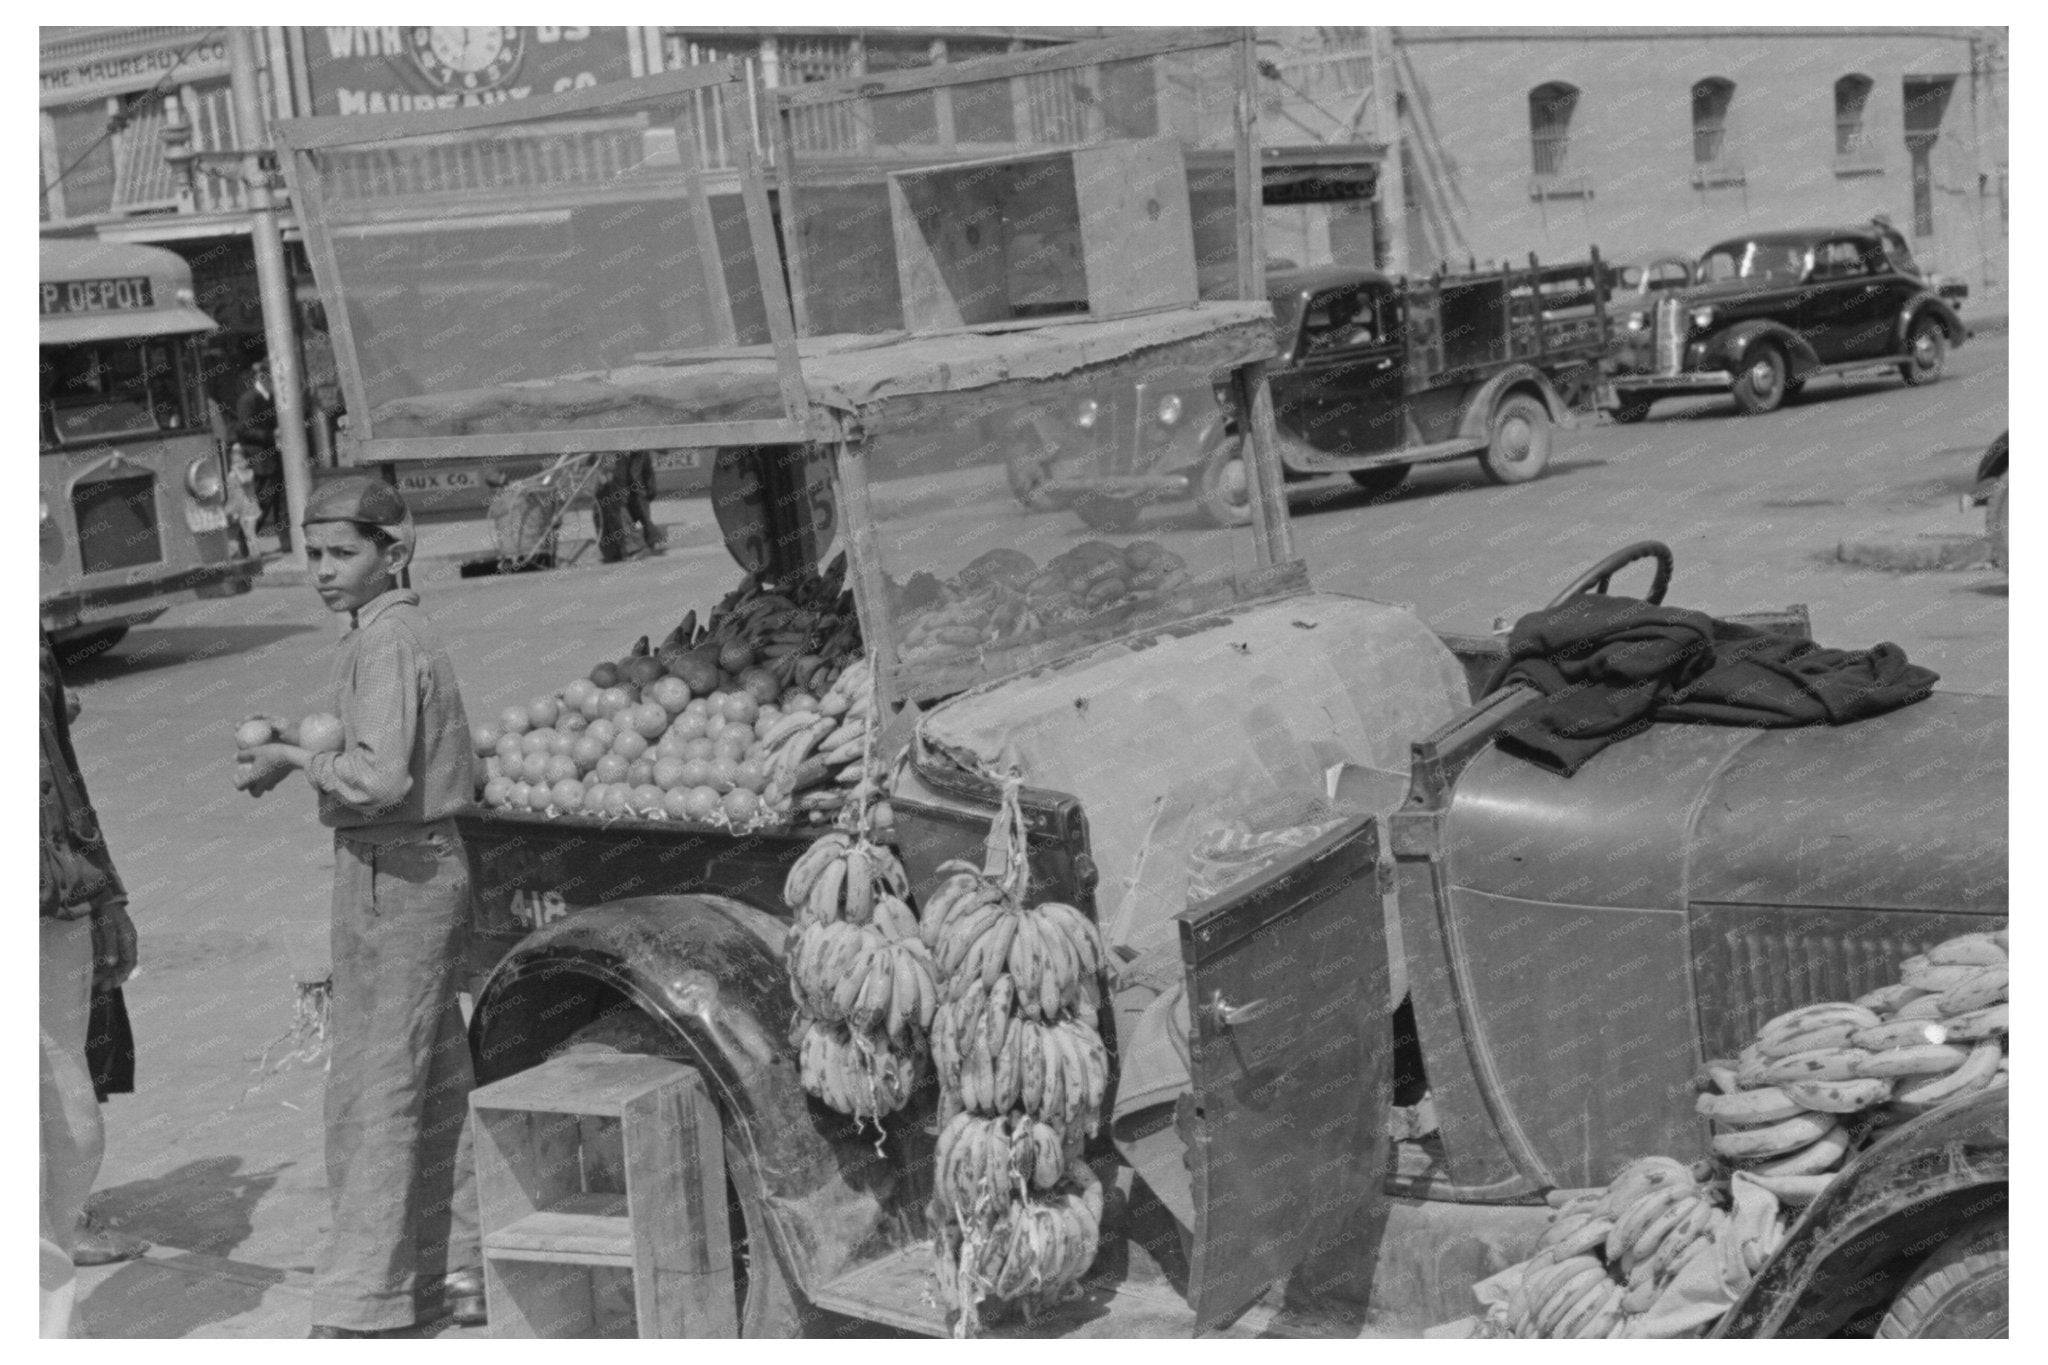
point(202, 479)
point(1169, 410)
point(1702, 318)
point(1636, 322)
point(1086, 414)
point(43, 505)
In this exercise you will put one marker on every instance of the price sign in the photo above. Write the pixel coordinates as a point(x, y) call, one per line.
point(774, 505)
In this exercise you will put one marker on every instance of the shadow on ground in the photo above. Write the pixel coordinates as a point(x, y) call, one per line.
point(206, 1206)
point(153, 647)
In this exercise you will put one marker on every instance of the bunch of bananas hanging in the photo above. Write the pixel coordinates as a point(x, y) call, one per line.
point(1025, 1219)
point(1789, 1111)
point(802, 630)
point(861, 976)
point(1023, 1077)
point(823, 763)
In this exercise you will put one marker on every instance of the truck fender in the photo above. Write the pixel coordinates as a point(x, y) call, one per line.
point(1728, 348)
point(710, 969)
point(1882, 1216)
point(1925, 305)
point(1477, 422)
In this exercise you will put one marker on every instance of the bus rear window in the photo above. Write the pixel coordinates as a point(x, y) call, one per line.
point(123, 388)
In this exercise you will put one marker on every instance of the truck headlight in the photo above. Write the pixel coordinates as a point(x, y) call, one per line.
point(1702, 318)
point(1636, 322)
point(202, 479)
point(1086, 414)
point(1169, 410)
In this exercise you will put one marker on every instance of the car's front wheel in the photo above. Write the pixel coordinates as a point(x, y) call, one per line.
point(1961, 1291)
point(1223, 488)
point(1519, 449)
point(1761, 385)
point(1926, 353)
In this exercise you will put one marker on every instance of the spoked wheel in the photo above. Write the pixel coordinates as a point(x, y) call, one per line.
point(1927, 351)
point(1760, 388)
point(1961, 1290)
point(768, 1304)
point(1225, 489)
point(1520, 446)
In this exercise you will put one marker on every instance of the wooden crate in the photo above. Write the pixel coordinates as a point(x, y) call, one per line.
point(601, 1181)
point(1099, 231)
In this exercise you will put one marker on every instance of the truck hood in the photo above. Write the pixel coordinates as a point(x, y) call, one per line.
point(1905, 811)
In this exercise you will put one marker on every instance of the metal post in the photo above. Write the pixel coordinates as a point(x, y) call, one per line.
point(280, 335)
point(1393, 182)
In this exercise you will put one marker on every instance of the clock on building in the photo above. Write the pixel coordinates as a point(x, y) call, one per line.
point(468, 59)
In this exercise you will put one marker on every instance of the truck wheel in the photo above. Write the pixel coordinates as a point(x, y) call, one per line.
point(1760, 388)
point(1385, 479)
point(1959, 1291)
point(1224, 488)
point(768, 1303)
point(1520, 448)
point(73, 650)
point(1927, 349)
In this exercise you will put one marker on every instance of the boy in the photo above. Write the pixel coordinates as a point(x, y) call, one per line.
point(399, 1167)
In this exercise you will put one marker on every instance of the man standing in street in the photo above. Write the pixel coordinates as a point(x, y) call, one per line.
point(88, 945)
point(256, 430)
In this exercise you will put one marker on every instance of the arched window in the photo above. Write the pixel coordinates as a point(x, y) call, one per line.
point(1710, 100)
point(1550, 125)
point(1852, 92)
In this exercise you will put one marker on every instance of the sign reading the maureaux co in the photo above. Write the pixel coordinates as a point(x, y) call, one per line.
point(121, 68)
point(354, 69)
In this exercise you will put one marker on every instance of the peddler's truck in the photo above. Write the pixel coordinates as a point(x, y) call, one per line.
point(1283, 811)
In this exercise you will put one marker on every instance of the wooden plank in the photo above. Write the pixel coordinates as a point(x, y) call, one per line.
point(795, 253)
point(709, 259)
point(1251, 217)
point(1270, 529)
point(1137, 236)
point(578, 1083)
point(789, 370)
point(1061, 58)
point(567, 1237)
point(493, 445)
point(342, 130)
point(675, 1185)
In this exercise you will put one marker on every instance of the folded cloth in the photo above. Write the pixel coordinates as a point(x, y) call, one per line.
point(1611, 666)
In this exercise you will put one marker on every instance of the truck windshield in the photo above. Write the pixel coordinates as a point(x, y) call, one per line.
point(1772, 262)
point(109, 390)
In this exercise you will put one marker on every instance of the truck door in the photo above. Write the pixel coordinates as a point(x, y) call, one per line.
point(1349, 374)
point(1291, 1057)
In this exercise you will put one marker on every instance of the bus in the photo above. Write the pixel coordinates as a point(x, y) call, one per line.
point(133, 474)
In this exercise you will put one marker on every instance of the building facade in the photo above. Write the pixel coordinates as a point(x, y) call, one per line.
point(1647, 141)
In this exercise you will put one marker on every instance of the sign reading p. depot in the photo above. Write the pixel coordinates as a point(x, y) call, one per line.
point(358, 69)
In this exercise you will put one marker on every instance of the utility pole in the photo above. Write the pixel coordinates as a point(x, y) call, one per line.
point(273, 283)
point(1387, 120)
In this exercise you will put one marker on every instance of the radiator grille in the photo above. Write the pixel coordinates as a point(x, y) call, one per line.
point(117, 523)
point(1752, 962)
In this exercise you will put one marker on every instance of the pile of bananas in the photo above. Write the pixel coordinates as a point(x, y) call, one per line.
point(1789, 1111)
point(822, 763)
point(1033, 1244)
point(802, 630)
point(1785, 1105)
point(860, 975)
point(1004, 598)
point(1023, 1075)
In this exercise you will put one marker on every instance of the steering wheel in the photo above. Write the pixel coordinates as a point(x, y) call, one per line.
point(1595, 579)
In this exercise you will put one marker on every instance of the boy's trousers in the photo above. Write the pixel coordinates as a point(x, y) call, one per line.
point(400, 1173)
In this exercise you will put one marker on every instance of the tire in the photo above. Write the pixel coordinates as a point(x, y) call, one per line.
point(1762, 383)
point(769, 1306)
point(1519, 448)
point(1927, 344)
point(1382, 480)
point(1631, 410)
point(1958, 1292)
point(74, 650)
point(1223, 488)
point(1793, 388)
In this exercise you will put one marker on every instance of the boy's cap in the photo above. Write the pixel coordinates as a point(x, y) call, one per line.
point(362, 499)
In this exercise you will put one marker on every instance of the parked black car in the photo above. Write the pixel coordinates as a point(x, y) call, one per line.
point(1772, 310)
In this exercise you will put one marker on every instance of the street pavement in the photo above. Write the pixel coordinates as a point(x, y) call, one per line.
point(217, 1157)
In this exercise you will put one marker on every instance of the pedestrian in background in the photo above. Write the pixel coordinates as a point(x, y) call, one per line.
point(400, 1173)
point(256, 430)
point(88, 946)
point(242, 504)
